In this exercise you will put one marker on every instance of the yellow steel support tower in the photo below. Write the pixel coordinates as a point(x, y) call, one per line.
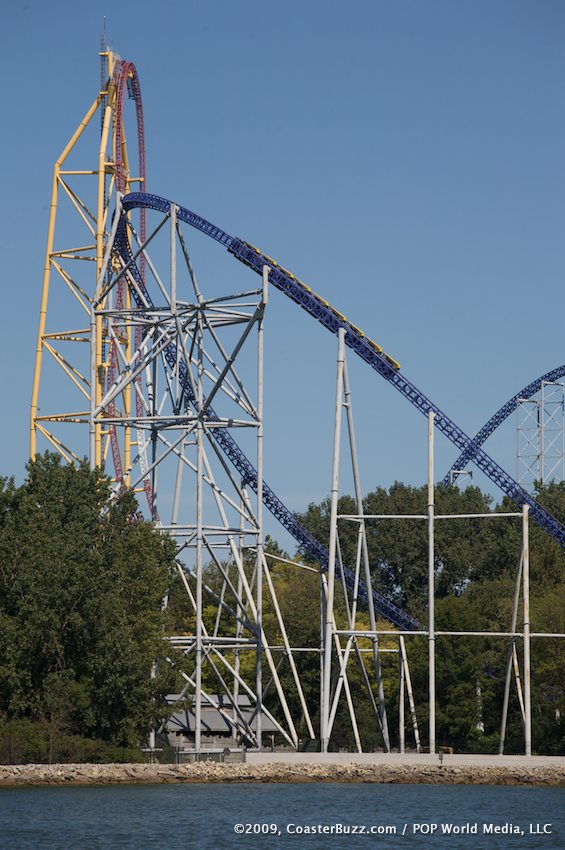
point(82, 198)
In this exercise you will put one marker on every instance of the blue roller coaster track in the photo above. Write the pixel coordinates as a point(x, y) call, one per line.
point(499, 417)
point(365, 348)
point(222, 437)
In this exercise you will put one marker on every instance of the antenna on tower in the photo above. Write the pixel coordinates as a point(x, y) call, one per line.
point(103, 66)
point(103, 46)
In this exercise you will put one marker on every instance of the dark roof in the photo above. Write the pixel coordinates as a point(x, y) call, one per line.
point(212, 721)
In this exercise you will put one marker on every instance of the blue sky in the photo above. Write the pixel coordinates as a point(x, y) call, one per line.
point(406, 159)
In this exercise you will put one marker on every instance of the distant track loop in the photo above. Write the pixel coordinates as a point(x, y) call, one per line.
point(505, 411)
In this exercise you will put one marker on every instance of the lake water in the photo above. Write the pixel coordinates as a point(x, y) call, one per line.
point(176, 817)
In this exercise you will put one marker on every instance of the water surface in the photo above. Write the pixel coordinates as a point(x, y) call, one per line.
point(203, 816)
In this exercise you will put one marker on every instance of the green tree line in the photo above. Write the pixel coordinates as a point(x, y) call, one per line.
point(82, 579)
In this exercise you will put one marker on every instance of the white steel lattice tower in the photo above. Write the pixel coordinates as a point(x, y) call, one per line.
point(170, 376)
point(540, 434)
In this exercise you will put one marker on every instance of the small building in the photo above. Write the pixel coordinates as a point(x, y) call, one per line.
point(222, 721)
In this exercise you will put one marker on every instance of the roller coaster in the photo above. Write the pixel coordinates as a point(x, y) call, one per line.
point(121, 303)
point(371, 353)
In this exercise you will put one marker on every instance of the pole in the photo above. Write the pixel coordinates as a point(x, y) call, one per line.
point(431, 587)
point(260, 543)
point(199, 545)
point(511, 648)
point(239, 611)
point(152, 731)
point(366, 564)
point(323, 605)
point(328, 630)
point(401, 737)
point(527, 661)
point(97, 388)
point(173, 258)
point(93, 381)
point(151, 379)
point(411, 702)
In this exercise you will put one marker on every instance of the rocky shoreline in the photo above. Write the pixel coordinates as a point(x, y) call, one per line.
point(106, 774)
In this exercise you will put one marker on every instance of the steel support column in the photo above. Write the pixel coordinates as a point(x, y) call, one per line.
point(431, 589)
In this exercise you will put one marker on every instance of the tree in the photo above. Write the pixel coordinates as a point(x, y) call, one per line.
point(81, 584)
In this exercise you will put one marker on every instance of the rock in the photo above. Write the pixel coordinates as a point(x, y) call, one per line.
point(85, 774)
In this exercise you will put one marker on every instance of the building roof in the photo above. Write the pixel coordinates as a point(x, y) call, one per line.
point(183, 719)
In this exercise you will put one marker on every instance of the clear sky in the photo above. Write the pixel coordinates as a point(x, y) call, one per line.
point(406, 159)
